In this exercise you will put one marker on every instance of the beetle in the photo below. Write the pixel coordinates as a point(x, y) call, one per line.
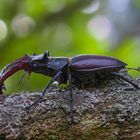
point(63, 69)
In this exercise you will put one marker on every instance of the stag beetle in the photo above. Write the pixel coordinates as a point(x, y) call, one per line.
point(63, 69)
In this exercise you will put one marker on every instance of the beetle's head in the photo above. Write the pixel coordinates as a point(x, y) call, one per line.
point(34, 63)
point(28, 63)
point(38, 63)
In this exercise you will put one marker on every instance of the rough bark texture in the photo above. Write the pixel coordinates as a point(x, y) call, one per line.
point(110, 111)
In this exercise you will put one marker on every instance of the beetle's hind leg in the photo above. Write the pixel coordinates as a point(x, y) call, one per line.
point(137, 69)
point(126, 79)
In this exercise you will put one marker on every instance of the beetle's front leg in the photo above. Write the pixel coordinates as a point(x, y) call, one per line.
point(45, 90)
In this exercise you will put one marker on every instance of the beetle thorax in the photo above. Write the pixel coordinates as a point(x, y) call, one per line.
point(57, 64)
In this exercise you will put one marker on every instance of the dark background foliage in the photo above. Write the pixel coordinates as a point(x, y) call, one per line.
point(67, 28)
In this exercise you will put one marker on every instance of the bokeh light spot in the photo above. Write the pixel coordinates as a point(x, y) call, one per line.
point(100, 27)
point(3, 30)
point(22, 25)
point(119, 5)
point(63, 35)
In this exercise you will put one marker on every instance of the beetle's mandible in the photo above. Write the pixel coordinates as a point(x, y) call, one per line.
point(64, 69)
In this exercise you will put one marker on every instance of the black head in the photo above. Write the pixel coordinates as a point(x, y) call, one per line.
point(39, 62)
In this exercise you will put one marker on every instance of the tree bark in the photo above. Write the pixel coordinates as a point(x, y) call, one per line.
point(109, 111)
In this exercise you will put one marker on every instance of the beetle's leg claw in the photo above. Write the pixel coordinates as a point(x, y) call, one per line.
point(138, 68)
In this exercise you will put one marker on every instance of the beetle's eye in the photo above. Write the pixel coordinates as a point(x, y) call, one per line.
point(35, 64)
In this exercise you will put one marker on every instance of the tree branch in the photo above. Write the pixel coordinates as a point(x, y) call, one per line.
point(108, 111)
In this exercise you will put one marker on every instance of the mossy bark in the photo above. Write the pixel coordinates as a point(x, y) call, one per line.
point(110, 111)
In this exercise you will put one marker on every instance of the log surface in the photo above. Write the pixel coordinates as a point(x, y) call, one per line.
point(110, 111)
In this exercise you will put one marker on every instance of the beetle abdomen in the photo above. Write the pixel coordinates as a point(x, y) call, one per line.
point(95, 62)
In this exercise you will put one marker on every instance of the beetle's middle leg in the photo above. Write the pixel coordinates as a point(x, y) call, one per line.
point(127, 80)
point(71, 99)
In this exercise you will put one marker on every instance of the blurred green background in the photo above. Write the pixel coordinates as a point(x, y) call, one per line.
point(67, 28)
